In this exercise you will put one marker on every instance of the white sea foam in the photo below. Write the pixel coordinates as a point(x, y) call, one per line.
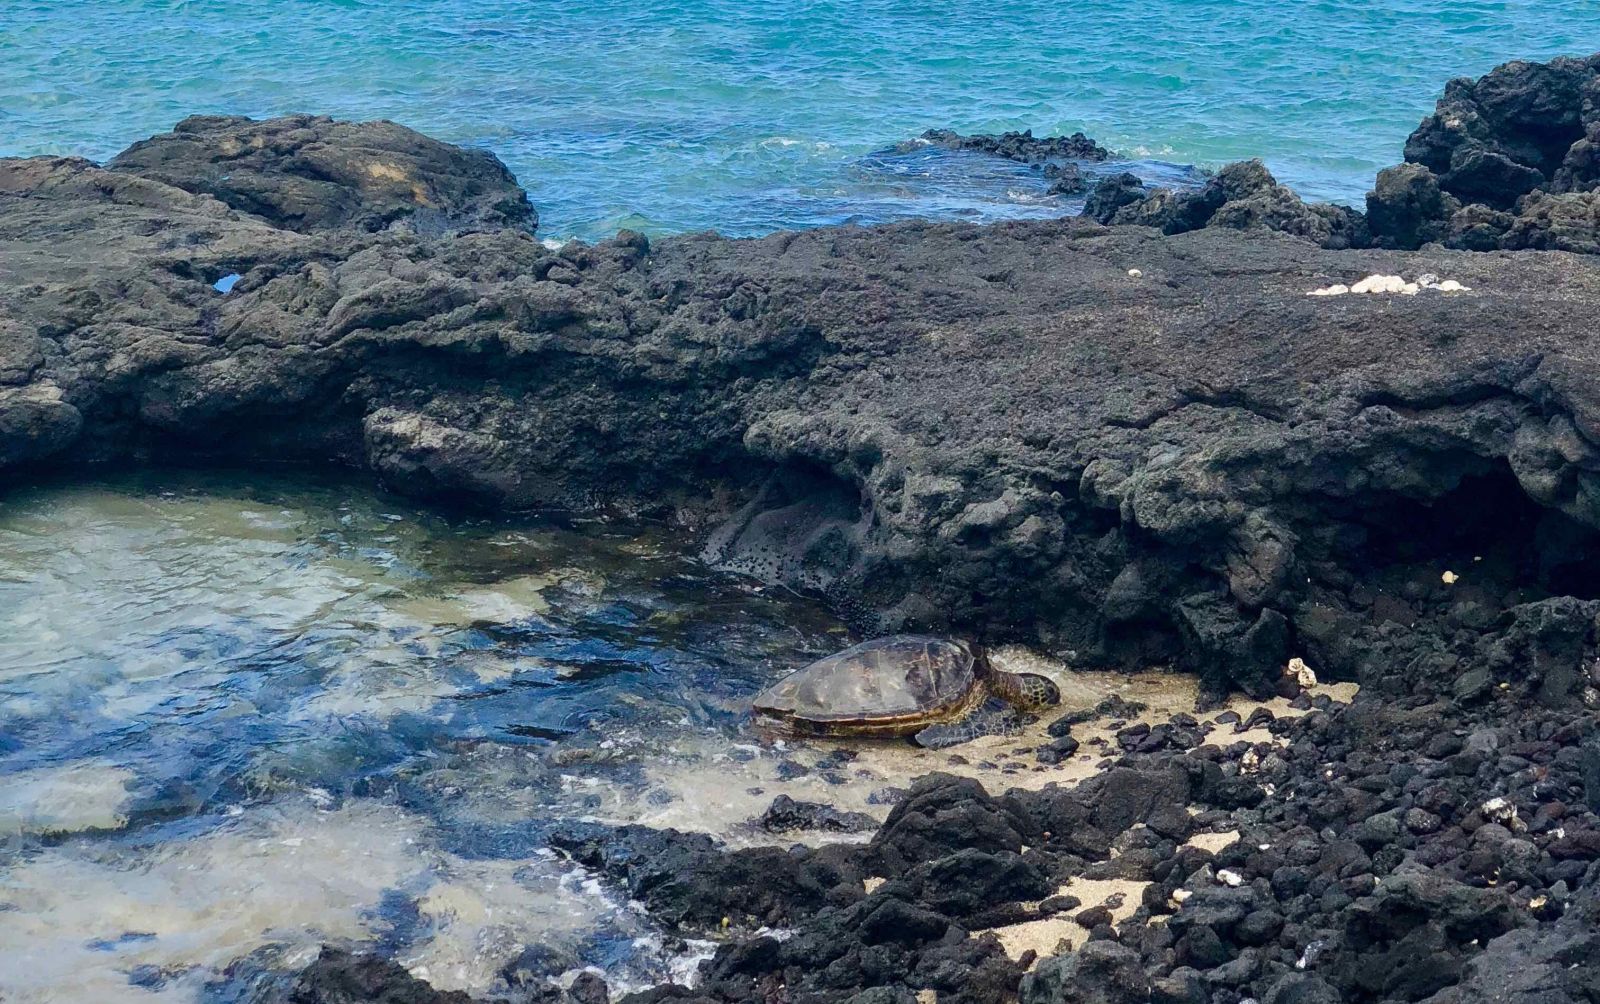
point(84, 918)
point(64, 799)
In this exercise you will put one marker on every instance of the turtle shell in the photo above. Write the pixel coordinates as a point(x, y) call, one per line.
point(902, 682)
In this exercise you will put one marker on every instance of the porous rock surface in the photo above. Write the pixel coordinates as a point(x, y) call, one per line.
point(1021, 146)
point(1506, 161)
point(1241, 196)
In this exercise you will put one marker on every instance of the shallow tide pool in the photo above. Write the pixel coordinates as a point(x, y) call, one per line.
point(251, 715)
point(242, 716)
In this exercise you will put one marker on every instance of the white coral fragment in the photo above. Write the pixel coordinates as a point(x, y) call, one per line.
point(1301, 673)
point(1384, 284)
point(1376, 283)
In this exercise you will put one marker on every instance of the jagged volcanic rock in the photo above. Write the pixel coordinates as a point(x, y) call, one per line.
point(1241, 196)
point(1395, 850)
point(1506, 161)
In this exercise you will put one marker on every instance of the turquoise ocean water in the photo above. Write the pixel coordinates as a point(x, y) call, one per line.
point(745, 117)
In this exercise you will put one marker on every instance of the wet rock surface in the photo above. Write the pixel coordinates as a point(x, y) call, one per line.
point(786, 815)
point(339, 977)
point(1022, 146)
point(687, 881)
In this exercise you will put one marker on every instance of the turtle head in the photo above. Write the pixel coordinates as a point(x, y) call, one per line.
point(1028, 691)
point(1035, 691)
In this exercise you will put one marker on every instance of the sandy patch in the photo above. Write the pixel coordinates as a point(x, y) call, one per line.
point(712, 785)
point(1060, 933)
point(1279, 706)
point(1213, 842)
point(505, 602)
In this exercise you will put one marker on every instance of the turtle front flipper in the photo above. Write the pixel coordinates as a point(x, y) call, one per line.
point(991, 718)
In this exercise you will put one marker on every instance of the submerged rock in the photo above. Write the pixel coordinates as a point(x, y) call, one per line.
point(339, 977)
point(1021, 146)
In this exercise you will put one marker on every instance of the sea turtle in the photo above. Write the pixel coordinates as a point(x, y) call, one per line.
point(941, 692)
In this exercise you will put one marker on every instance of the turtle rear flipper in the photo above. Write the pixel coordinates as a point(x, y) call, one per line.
point(992, 718)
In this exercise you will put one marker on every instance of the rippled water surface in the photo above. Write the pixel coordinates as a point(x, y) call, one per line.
point(746, 117)
point(249, 716)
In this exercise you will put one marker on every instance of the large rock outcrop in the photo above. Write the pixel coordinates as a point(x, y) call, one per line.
point(1510, 161)
point(305, 172)
point(1125, 446)
point(1506, 161)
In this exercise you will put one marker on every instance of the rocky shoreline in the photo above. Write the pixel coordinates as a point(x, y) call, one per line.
point(1362, 852)
point(1128, 444)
